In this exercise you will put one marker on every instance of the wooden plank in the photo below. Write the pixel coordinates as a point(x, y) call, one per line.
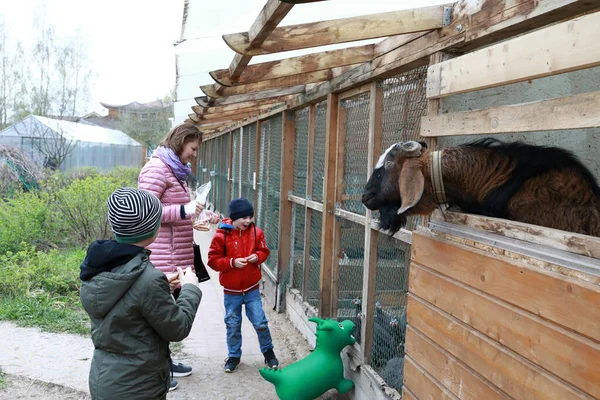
point(294, 37)
point(301, 1)
point(209, 113)
point(568, 356)
point(572, 112)
point(422, 384)
point(553, 238)
point(243, 98)
point(566, 301)
point(286, 185)
point(514, 375)
point(483, 27)
point(205, 108)
point(231, 114)
point(371, 236)
point(259, 154)
point(237, 124)
point(308, 211)
point(296, 65)
point(457, 377)
point(293, 80)
point(407, 394)
point(393, 42)
point(269, 17)
point(230, 168)
point(213, 119)
point(328, 206)
point(564, 47)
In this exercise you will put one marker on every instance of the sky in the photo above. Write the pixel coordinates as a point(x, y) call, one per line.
point(131, 42)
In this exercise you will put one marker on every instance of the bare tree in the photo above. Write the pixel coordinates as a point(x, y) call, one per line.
point(11, 74)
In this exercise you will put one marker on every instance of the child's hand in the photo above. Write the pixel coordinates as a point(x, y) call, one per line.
point(173, 281)
point(240, 262)
point(188, 276)
point(252, 258)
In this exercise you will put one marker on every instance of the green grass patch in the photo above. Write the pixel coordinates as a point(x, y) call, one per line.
point(42, 289)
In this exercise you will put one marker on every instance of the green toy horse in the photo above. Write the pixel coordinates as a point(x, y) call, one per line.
point(321, 370)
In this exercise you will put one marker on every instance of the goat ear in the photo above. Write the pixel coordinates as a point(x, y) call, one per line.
point(411, 184)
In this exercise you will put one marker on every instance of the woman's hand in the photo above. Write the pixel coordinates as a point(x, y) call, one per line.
point(173, 281)
point(240, 262)
point(188, 276)
point(252, 258)
point(193, 208)
point(214, 218)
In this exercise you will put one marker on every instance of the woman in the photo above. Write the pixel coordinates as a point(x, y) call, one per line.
point(165, 175)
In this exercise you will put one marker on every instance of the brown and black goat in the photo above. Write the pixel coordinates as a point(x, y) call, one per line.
point(545, 186)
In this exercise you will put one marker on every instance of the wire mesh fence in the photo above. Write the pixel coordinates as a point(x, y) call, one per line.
point(319, 152)
point(404, 103)
point(269, 183)
point(301, 152)
point(356, 149)
point(297, 250)
point(351, 260)
point(314, 274)
point(248, 161)
point(236, 165)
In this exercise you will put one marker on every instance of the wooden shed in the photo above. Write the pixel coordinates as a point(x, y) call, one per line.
point(455, 306)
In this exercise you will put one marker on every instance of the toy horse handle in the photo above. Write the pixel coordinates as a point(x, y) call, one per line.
point(315, 320)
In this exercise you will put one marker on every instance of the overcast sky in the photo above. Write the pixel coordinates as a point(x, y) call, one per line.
point(131, 41)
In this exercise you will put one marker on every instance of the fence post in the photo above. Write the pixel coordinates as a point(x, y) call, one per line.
point(229, 174)
point(286, 184)
point(327, 239)
point(371, 235)
point(259, 155)
point(312, 116)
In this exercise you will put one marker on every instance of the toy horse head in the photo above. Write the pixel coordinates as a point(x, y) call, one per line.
point(333, 335)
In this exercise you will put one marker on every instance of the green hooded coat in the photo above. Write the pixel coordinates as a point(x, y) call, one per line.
point(133, 319)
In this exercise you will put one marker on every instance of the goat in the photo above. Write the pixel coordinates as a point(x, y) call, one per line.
point(546, 186)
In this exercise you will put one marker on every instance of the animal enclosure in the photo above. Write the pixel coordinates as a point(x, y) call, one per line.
point(453, 305)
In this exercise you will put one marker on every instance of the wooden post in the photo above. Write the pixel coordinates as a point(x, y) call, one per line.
point(229, 171)
point(308, 211)
point(433, 108)
point(371, 235)
point(286, 184)
point(327, 231)
point(340, 186)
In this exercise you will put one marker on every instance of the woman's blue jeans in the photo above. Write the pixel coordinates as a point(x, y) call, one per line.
point(256, 316)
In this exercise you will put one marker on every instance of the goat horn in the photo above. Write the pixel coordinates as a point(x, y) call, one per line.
point(412, 148)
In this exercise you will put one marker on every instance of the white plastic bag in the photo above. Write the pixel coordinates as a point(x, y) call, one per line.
point(202, 193)
point(201, 222)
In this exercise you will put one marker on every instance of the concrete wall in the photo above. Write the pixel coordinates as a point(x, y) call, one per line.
point(585, 143)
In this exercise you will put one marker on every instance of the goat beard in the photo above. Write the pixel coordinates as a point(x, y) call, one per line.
point(390, 220)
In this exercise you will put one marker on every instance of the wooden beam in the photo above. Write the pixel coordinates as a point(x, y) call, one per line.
point(371, 235)
point(268, 19)
point(572, 112)
point(296, 65)
point(393, 42)
point(209, 116)
point(301, 1)
point(243, 98)
point(194, 117)
point(568, 46)
point(294, 37)
point(328, 205)
point(286, 184)
point(230, 117)
point(205, 108)
point(312, 113)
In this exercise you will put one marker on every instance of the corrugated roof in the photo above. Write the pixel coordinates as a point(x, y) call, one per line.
point(86, 132)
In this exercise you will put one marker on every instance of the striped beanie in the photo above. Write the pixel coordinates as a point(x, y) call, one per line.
point(134, 215)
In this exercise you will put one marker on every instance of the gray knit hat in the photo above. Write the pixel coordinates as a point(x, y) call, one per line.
point(134, 215)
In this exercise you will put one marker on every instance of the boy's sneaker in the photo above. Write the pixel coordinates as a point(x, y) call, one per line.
point(174, 384)
point(270, 359)
point(231, 363)
point(180, 369)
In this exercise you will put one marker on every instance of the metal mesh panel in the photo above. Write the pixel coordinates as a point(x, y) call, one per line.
point(221, 199)
point(356, 142)
point(235, 165)
point(248, 161)
point(404, 103)
point(391, 290)
point(314, 275)
point(319, 151)
point(351, 264)
point(301, 152)
point(297, 246)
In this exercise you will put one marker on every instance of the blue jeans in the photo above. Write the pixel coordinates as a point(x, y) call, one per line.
point(255, 314)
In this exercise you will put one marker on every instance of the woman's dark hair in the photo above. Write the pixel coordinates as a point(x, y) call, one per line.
point(180, 135)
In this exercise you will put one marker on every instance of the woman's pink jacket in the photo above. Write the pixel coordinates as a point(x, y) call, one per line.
point(173, 246)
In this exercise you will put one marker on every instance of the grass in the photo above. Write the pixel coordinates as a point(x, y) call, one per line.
point(2, 380)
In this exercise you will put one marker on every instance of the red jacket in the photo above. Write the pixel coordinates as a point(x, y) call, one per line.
point(228, 244)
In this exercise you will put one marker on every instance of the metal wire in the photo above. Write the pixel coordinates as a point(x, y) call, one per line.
point(351, 265)
point(301, 152)
point(356, 149)
point(391, 291)
point(297, 247)
point(319, 152)
point(314, 275)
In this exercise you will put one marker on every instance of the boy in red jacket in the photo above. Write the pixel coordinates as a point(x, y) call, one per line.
point(237, 250)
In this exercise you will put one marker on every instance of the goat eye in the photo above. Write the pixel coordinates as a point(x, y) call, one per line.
point(340, 325)
point(389, 164)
